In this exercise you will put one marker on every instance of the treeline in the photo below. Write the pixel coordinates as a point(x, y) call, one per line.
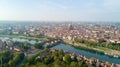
point(23, 45)
point(31, 59)
point(101, 43)
point(26, 46)
point(38, 45)
point(54, 59)
point(5, 57)
point(8, 59)
point(16, 59)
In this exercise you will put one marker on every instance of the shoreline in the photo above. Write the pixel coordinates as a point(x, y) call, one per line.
point(109, 52)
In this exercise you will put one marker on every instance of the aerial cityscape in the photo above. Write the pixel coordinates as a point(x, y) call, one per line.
point(29, 40)
point(57, 33)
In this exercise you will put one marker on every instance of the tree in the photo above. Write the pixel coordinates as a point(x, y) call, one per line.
point(79, 40)
point(79, 64)
point(101, 40)
point(11, 63)
point(38, 46)
point(16, 59)
point(47, 60)
point(6, 56)
point(60, 52)
point(67, 59)
point(57, 65)
point(73, 64)
point(91, 66)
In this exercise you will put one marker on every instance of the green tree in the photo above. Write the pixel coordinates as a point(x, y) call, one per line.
point(11, 63)
point(57, 65)
point(91, 66)
point(38, 46)
point(16, 59)
point(79, 64)
point(67, 59)
point(73, 64)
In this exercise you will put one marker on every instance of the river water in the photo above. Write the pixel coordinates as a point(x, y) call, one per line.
point(19, 40)
point(88, 54)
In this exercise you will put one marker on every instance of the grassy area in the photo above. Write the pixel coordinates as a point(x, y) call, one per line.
point(33, 38)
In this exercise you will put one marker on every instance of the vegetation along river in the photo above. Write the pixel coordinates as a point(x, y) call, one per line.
point(88, 54)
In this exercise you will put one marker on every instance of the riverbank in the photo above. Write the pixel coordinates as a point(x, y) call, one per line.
point(107, 51)
point(25, 37)
point(88, 54)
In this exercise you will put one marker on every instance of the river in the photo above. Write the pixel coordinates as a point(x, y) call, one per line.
point(88, 54)
point(19, 40)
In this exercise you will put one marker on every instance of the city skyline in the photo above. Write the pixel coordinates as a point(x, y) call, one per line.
point(59, 10)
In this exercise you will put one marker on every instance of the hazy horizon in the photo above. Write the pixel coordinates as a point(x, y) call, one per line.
point(59, 10)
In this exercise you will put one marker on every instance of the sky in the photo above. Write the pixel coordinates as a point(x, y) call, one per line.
point(60, 10)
